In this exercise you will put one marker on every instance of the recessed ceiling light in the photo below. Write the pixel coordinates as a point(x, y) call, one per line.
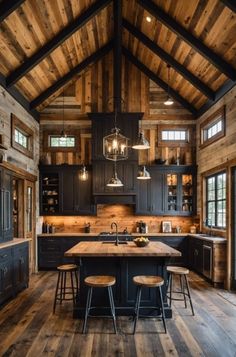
point(148, 19)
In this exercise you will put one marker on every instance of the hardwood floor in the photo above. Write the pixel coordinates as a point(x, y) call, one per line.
point(28, 327)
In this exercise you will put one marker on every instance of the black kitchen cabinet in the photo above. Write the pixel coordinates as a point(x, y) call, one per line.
point(171, 191)
point(5, 205)
point(63, 193)
point(14, 270)
point(196, 255)
point(179, 243)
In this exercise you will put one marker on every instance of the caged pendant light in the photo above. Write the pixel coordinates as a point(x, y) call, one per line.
point(169, 100)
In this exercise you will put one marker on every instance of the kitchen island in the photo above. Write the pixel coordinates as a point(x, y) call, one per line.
point(123, 261)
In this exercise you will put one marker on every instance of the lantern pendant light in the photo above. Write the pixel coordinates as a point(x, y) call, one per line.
point(169, 100)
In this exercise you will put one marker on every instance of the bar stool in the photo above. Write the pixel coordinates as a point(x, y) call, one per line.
point(184, 285)
point(62, 288)
point(99, 281)
point(148, 281)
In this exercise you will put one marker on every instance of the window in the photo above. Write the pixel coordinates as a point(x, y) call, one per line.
point(57, 141)
point(174, 135)
point(22, 137)
point(216, 200)
point(213, 128)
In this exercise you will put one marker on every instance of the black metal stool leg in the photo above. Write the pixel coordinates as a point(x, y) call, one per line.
point(162, 308)
point(72, 287)
point(77, 282)
point(189, 296)
point(171, 282)
point(88, 305)
point(112, 305)
point(55, 298)
point(183, 290)
point(61, 286)
point(137, 304)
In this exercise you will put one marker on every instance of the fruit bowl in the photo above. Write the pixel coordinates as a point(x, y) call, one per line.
point(141, 241)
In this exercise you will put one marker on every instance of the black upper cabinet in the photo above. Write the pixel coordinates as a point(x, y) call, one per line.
point(63, 193)
point(5, 205)
point(103, 123)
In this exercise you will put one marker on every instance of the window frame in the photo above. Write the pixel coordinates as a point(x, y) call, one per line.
point(61, 147)
point(190, 137)
point(17, 124)
point(216, 200)
point(210, 122)
point(46, 141)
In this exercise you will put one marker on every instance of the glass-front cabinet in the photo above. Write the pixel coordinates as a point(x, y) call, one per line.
point(50, 193)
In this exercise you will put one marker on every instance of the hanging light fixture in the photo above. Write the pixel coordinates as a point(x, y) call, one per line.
point(115, 181)
point(143, 174)
point(142, 143)
point(63, 134)
point(169, 100)
point(83, 173)
point(115, 145)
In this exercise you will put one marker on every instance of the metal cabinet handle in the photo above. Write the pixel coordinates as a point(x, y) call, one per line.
point(5, 270)
point(3, 256)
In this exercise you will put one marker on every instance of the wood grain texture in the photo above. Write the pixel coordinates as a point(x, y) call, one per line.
point(98, 249)
point(27, 326)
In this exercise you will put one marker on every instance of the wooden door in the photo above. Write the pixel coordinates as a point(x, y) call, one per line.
point(30, 221)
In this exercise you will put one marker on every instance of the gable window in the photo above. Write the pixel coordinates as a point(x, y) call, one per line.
point(22, 137)
point(174, 135)
point(57, 141)
point(213, 128)
point(216, 200)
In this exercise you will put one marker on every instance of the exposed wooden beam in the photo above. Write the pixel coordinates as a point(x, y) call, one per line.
point(56, 41)
point(158, 81)
point(75, 71)
point(218, 95)
point(7, 7)
point(193, 41)
point(231, 4)
point(196, 82)
point(117, 62)
point(19, 98)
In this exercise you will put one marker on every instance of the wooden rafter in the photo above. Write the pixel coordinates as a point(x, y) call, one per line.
point(193, 41)
point(231, 4)
point(7, 7)
point(19, 98)
point(169, 59)
point(158, 81)
point(75, 71)
point(117, 62)
point(56, 41)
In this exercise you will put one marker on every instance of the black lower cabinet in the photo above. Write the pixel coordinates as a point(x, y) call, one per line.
point(179, 243)
point(196, 255)
point(14, 270)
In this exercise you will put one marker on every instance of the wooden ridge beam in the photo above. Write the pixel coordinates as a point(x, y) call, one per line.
point(56, 41)
point(67, 77)
point(19, 98)
point(117, 61)
point(218, 95)
point(7, 7)
point(193, 41)
point(158, 81)
point(231, 4)
point(196, 82)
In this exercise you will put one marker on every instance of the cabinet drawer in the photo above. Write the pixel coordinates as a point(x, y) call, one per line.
point(50, 261)
point(50, 245)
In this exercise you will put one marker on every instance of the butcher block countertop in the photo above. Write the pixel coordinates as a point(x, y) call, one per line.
point(13, 242)
point(99, 249)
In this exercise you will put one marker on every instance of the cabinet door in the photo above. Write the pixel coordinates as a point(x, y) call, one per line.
point(6, 274)
point(6, 206)
point(21, 266)
point(157, 192)
point(143, 201)
point(69, 187)
point(207, 260)
point(83, 195)
point(49, 252)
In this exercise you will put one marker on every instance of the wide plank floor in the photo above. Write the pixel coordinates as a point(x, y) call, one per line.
point(28, 327)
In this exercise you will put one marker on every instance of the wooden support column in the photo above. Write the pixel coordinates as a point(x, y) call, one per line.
point(117, 63)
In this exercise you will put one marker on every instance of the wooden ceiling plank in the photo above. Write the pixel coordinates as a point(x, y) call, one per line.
point(56, 41)
point(231, 4)
point(75, 71)
point(169, 59)
point(158, 81)
point(193, 41)
point(117, 62)
point(7, 7)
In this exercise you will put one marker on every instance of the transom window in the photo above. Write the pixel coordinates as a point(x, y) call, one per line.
point(213, 128)
point(174, 135)
point(21, 138)
point(57, 141)
point(216, 200)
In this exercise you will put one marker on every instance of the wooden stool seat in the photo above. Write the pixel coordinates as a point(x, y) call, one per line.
point(100, 281)
point(148, 281)
point(67, 267)
point(177, 270)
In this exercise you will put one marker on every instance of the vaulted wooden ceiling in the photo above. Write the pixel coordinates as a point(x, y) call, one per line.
point(45, 44)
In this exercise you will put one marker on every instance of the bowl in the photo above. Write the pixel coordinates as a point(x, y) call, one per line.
point(141, 242)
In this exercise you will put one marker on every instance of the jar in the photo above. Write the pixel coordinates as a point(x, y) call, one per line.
point(193, 229)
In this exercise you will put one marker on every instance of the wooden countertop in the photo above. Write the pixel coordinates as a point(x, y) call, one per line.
point(207, 238)
point(97, 234)
point(98, 249)
point(15, 241)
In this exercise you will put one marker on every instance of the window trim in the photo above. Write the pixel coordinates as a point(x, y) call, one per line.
point(215, 201)
point(16, 123)
point(48, 148)
point(58, 136)
point(209, 122)
point(176, 143)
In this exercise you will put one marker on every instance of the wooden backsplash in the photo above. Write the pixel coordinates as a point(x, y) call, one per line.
point(122, 214)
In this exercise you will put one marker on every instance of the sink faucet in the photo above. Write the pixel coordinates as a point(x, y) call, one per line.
point(115, 224)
